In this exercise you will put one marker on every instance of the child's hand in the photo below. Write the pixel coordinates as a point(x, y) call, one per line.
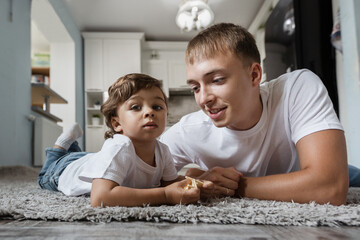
point(176, 193)
point(223, 182)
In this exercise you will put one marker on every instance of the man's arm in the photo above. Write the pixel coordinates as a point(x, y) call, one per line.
point(323, 175)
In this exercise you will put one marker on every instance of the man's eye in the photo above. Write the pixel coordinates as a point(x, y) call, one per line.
point(194, 88)
point(135, 107)
point(218, 80)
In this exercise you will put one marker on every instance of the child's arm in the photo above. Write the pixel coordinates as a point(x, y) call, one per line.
point(166, 183)
point(108, 193)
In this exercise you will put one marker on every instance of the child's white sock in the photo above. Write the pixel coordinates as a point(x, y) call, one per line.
point(69, 136)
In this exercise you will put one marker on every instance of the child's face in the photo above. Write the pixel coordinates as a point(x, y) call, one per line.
point(143, 116)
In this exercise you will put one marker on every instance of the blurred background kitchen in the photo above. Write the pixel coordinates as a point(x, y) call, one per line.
point(58, 57)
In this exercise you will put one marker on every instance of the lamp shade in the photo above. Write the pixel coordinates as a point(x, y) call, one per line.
point(194, 14)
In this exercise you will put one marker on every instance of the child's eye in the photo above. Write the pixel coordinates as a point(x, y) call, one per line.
point(135, 107)
point(157, 107)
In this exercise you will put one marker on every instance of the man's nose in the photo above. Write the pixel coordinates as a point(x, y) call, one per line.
point(205, 96)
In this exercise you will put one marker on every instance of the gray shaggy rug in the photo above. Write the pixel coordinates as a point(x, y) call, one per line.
point(22, 198)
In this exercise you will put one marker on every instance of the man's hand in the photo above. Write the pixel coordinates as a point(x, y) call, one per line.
point(223, 181)
point(176, 193)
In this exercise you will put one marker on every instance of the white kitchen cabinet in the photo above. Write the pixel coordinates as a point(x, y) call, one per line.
point(166, 61)
point(121, 56)
point(108, 56)
point(93, 64)
point(94, 137)
point(177, 74)
point(94, 130)
point(93, 101)
point(157, 69)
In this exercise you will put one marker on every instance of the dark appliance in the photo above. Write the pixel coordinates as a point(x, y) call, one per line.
point(297, 35)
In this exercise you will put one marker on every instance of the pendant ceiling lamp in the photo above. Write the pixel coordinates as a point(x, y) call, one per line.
point(194, 15)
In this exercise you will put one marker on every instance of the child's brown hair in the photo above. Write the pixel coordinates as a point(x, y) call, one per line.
point(121, 90)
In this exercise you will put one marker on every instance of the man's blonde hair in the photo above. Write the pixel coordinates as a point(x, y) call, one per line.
point(223, 38)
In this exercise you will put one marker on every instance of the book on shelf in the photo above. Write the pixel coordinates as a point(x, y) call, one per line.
point(40, 60)
point(39, 78)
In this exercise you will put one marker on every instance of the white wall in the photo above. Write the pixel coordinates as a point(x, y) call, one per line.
point(62, 58)
point(39, 44)
point(15, 72)
point(340, 75)
point(62, 72)
point(350, 117)
point(15, 91)
point(75, 35)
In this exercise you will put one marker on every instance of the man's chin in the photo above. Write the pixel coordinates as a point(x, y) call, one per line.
point(219, 124)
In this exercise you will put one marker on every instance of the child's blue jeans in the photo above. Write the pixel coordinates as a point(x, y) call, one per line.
point(354, 176)
point(56, 162)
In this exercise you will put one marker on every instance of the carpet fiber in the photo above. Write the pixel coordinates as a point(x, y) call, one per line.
point(22, 198)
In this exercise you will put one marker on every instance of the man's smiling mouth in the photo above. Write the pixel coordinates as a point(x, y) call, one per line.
point(215, 113)
point(216, 110)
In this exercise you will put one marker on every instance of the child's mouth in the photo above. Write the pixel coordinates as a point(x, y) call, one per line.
point(150, 125)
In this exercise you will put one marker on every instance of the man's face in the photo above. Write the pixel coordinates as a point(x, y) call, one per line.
point(226, 90)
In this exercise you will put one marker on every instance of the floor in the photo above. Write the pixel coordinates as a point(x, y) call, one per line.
point(30, 229)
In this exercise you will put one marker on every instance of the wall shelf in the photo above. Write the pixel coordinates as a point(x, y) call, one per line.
point(41, 70)
point(42, 95)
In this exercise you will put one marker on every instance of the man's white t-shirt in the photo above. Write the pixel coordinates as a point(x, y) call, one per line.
point(294, 105)
point(117, 161)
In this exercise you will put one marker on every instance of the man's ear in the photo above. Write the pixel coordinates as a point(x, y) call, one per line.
point(116, 124)
point(256, 73)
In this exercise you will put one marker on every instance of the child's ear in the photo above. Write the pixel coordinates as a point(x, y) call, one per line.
point(116, 124)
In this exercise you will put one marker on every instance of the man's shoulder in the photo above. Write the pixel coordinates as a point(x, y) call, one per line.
point(289, 81)
point(303, 81)
point(290, 76)
point(300, 76)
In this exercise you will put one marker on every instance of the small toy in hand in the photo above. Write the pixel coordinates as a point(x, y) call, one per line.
point(195, 183)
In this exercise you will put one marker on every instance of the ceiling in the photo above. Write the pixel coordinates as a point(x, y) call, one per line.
point(156, 18)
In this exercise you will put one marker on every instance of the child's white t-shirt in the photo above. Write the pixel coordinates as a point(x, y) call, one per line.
point(118, 162)
point(294, 105)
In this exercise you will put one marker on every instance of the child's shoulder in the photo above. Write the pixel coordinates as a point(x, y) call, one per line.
point(118, 145)
point(118, 141)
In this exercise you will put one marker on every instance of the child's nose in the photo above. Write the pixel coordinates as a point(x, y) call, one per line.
point(149, 115)
point(149, 112)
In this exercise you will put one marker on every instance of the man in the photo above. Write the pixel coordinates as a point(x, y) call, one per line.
point(280, 140)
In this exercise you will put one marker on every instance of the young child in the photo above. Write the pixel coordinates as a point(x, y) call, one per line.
point(132, 168)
